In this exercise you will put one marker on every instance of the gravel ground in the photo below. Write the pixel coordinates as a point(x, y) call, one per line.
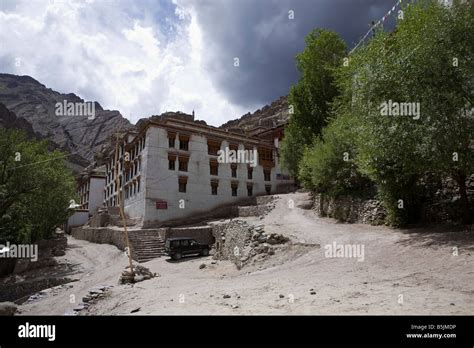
point(401, 272)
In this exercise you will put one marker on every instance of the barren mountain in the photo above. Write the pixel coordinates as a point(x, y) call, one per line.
point(271, 115)
point(9, 120)
point(32, 101)
point(31, 106)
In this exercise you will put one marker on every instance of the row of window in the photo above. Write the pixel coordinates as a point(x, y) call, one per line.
point(84, 188)
point(83, 193)
point(183, 181)
point(264, 154)
point(111, 201)
point(135, 151)
point(213, 167)
point(132, 189)
point(133, 170)
point(84, 197)
point(183, 141)
point(138, 147)
point(109, 190)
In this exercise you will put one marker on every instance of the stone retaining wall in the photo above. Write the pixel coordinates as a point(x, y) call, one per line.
point(202, 234)
point(443, 208)
point(232, 241)
point(242, 243)
point(102, 235)
point(255, 210)
point(350, 209)
point(108, 235)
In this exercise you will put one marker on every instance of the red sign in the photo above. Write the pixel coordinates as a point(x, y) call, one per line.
point(161, 205)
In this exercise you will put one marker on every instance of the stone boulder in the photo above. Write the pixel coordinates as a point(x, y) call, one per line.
point(7, 308)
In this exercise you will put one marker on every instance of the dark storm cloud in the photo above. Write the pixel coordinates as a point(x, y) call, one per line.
point(266, 41)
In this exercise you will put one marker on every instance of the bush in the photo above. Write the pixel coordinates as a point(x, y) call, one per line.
point(328, 165)
point(35, 189)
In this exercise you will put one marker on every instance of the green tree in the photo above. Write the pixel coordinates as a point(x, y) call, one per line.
point(439, 73)
point(415, 64)
point(328, 166)
point(35, 189)
point(312, 95)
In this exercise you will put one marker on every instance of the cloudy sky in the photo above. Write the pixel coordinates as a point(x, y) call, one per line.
point(144, 57)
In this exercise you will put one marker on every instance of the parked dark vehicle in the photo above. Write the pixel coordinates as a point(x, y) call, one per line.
point(179, 247)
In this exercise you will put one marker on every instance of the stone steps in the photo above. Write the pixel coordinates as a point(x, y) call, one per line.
point(146, 245)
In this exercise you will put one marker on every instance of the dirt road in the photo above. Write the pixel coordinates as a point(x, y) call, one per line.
point(399, 272)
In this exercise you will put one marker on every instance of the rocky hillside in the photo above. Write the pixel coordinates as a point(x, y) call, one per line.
point(34, 103)
point(9, 120)
point(269, 116)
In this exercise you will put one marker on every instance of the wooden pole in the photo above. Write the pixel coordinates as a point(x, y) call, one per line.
point(119, 201)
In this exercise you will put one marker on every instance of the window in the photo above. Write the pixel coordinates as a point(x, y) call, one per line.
point(138, 185)
point(171, 139)
point(213, 147)
point(214, 167)
point(183, 164)
point(249, 173)
point(184, 142)
point(234, 147)
point(183, 180)
point(266, 174)
point(249, 190)
point(214, 185)
point(268, 189)
point(234, 186)
point(233, 168)
point(265, 155)
point(184, 243)
point(192, 242)
point(171, 162)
